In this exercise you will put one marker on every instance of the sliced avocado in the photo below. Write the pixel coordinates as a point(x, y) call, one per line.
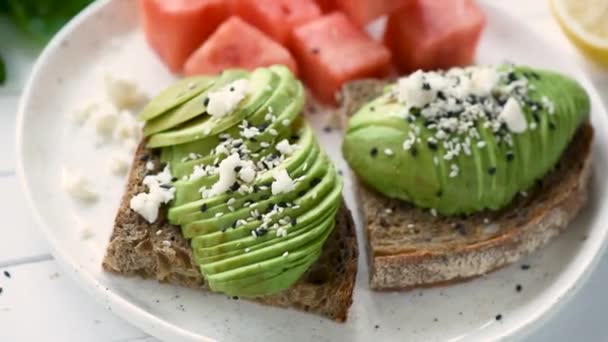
point(191, 108)
point(488, 177)
point(178, 93)
point(262, 83)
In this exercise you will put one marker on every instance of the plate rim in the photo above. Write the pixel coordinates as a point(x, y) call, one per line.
point(165, 330)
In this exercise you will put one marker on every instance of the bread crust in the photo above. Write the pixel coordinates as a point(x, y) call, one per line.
point(159, 251)
point(408, 247)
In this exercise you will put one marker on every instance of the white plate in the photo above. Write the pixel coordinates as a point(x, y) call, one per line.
point(106, 37)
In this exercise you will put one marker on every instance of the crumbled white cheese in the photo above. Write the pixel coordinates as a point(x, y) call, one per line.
point(78, 187)
point(127, 127)
point(149, 166)
point(147, 204)
point(513, 116)
point(119, 165)
point(227, 174)
point(105, 123)
point(484, 79)
point(247, 174)
point(285, 147)
point(225, 100)
point(412, 91)
point(123, 93)
point(282, 183)
point(81, 115)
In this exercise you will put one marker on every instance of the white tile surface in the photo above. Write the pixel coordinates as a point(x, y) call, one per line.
point(38, 303)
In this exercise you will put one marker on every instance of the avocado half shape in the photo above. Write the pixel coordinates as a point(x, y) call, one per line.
point(258, 235)
point(456, 149)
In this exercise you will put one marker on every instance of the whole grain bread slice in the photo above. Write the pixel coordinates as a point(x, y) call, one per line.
point(408, 247)
point(159, 251)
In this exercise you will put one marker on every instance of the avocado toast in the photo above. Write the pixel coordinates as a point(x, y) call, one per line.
point(436, 213)
point(231, 192)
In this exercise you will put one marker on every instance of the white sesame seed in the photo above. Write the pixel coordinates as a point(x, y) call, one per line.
point(481, 144)
point(247, 249)
point(219, 214)
point(388, 152)
point(434, 212)
point(166, 243)
point(388, 210)
point(158, 232)
point(411, 225)
point(285, 254)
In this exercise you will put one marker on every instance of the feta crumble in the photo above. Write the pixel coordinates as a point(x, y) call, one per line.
point(225, 100)
point(147, 204)
point(78, 187)
point(285, 147)
point(123, 93)
point(282, 183)
point(513, 116)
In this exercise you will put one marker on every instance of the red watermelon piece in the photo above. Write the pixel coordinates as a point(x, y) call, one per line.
point(327, 5)
point(175, 28)
point(433, 34)
point(333, 50)
point(236, 44)
point(277, 18)
point(364, 11)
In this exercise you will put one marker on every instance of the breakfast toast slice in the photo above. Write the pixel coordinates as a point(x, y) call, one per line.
point(159, 251)
point(409, 247)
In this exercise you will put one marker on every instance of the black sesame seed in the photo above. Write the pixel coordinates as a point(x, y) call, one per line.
point(518, 288)
point(231, 88)
point(459, 227)
point(222, 139)
point(373, 152)
point(234, 224)
point(498, 317)
point(414, 151)
point(206, 101)
point(301, 193)
point(441, 95)
point(411, 118)
point(235, 186)
point(145, 157)
point(510, 156)
point(263, 127)
point(265, 197)
point(372, 108)
point(426, 86)
point(511, 76)
point(294, 221)
point(492, 170)
point(432, 145)
point(376, 326)
point(439, 193)
point(327, 129)
point(253, 139)
point(552, 126)
point(174, 179)
point(204, 207)
point(415, 111)
point(6, 274)
point(428, 122)
point(282, 204)
point(166, 186)
point(238, 144)
point(261, 231)
point(238, 168)
point(256, 188)
point(294, 137)
point(315, 181)
point(525, 267)
point(1, 290)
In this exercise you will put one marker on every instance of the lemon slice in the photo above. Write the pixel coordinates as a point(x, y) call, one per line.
point(585, 22)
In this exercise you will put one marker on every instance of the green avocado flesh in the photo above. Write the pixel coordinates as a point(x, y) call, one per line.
point(249, 239)
point(500, 162)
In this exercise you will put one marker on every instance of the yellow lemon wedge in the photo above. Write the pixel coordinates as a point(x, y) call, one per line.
point(585, 22)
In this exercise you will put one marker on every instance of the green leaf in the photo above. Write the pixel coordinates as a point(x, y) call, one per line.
point(41, 19)
point(2, 71)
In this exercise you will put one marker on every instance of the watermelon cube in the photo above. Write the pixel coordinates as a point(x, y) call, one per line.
point(364, 11)
point(332, 50)
point(433, 34)
point(277, 18)
point(236, 44)
point(175, 28)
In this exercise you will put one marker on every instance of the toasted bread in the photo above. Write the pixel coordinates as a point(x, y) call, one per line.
point(408, 247)
point(159, 251)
